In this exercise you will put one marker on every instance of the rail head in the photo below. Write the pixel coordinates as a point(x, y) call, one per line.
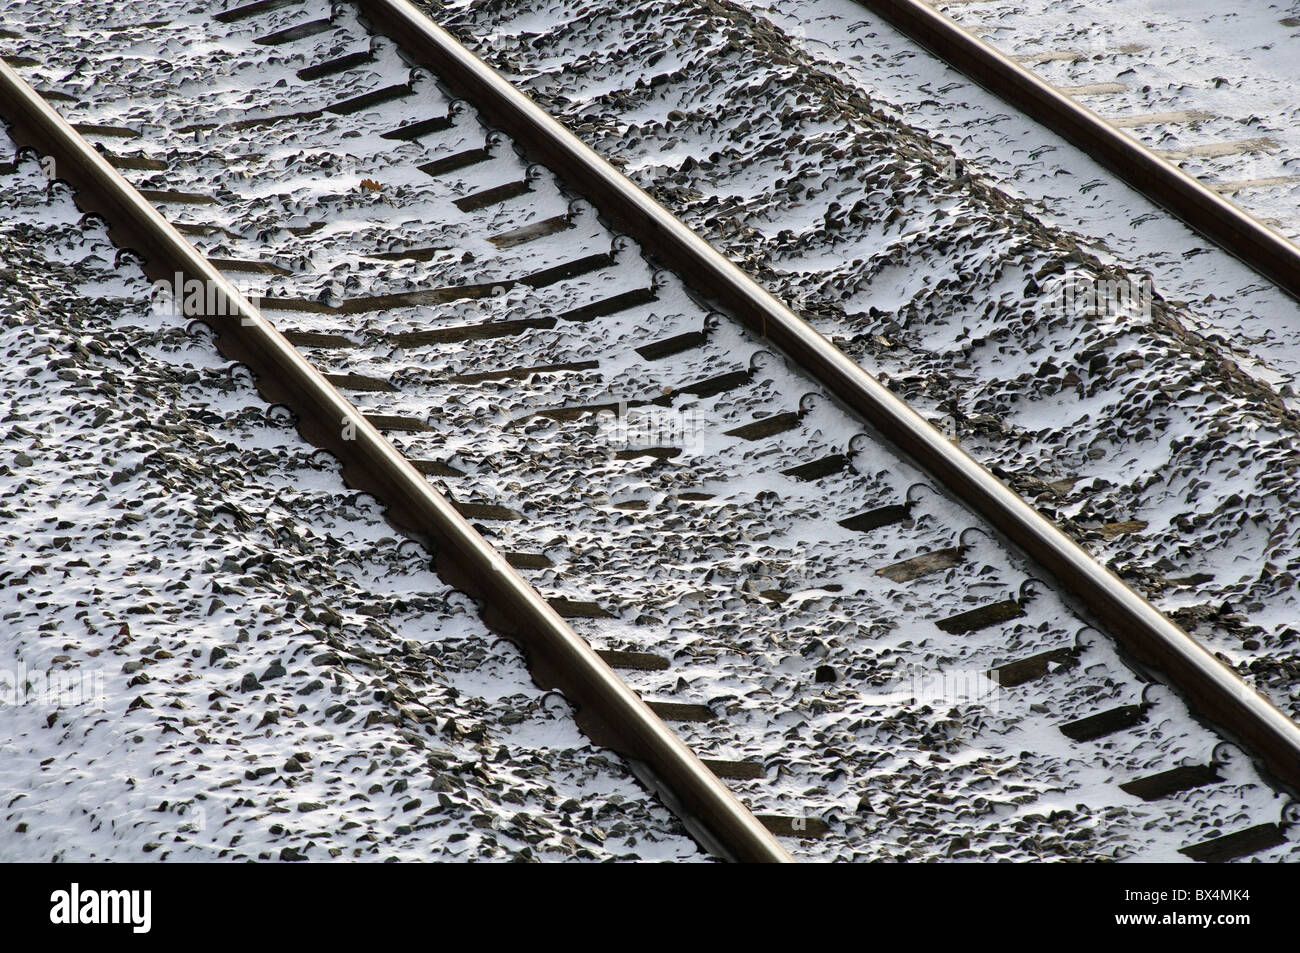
point(608, 710)
point(1235, 231)
point(1212, 689)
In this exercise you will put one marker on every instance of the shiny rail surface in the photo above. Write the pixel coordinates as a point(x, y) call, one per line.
point(1219, 220)
point(608, 710)
point(1214, 690)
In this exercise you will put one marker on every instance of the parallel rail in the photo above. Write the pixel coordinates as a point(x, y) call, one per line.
point(1235, 231)
point(1212, 689)
point(609, 712)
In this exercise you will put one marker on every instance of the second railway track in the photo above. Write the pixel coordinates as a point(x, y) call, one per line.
point(687, 485)
point(1203, 86)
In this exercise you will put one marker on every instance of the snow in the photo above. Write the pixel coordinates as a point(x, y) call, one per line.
point(740, 575)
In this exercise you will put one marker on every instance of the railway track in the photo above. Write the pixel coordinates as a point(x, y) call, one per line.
point(773, 578)
point(1181, 176)
point(1078, 416)
point(216, 650)
point(1203, 87)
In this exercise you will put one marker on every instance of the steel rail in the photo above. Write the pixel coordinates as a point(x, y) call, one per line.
point(1211, 688)
point(608, 711)
point(1228, 226)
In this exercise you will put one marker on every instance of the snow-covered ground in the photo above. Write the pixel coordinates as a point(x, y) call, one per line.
point(211, 648)
point(927, 230)
point(1210, 85)
point(828, 672)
